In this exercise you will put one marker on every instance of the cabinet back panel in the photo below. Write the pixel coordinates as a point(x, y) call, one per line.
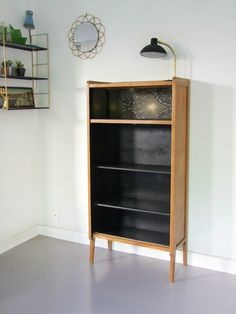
point(139, 144)
point(108, 218)
point(131, 103)
point(114, 185)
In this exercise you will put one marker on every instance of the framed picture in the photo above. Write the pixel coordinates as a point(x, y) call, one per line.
point(18, 97)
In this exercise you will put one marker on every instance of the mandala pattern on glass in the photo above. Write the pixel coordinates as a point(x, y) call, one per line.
point(142, 103)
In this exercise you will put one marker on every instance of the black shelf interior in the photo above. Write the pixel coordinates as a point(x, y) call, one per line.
point(30, 78)
point(131, 103)
point(147, 145)
point(23, 47)
point(156, 237)
point(134, 225)
point(136, 168)
point(130, 181)
point(137, 205)
point(121, 185)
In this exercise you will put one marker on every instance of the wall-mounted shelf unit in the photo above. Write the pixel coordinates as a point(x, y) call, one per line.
point(28, 78)
point(22, 47)
point(39, 72)
point(137, 148)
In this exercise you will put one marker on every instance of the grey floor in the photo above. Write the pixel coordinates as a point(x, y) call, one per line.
point(49, 276)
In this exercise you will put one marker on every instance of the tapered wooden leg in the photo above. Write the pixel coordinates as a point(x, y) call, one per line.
point(109, 243)
point(172, 267)
point(185, 254)
point(92, 248)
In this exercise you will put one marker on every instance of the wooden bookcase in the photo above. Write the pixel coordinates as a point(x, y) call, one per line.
point(137, 157)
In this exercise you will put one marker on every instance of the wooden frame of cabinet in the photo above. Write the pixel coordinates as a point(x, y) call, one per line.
point(176, 130)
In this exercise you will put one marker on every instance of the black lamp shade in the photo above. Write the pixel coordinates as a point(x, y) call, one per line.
point(153, 50)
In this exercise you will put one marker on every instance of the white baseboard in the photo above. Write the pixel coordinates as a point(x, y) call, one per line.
point(64, 234)
point(194, 259)
point(18, 238)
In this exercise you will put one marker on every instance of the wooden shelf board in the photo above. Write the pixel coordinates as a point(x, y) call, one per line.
point(30, 78)
point(137, 168)
point(27, 108)
point(120, 121)
point(131, 84)
point(137, 205)
point(151, 239)
point(23, 47)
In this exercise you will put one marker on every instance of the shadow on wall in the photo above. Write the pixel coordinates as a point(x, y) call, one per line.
point(80, 158)
point(211, 170)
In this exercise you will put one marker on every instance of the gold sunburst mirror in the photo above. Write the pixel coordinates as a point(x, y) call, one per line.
point(86, 36)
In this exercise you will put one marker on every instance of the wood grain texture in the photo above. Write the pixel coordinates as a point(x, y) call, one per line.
point(130, 84)
point(92, 249)
point(120, 121)
point(181, 81)
point(172, 266)
point(96, 82)
point(109, 244)
point(180, 243)
point(178, 161)
point(89, 164)
point(185, 254)
point(131, 241)
point(179, 166)
point(185, 246)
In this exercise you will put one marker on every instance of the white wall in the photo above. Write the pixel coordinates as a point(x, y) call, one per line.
point(20, 155)
point(203, 33)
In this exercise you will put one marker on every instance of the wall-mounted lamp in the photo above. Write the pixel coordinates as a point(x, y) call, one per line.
point(154, 50)
point(29, 23)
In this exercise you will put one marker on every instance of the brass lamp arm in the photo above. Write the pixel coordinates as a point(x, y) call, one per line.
point(4, 94)
point(173, 52)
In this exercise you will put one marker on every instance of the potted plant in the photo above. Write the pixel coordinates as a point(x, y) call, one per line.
point(20, 69)
point(9, 67)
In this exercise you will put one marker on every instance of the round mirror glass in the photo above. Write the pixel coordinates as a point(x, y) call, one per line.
point(85, 37)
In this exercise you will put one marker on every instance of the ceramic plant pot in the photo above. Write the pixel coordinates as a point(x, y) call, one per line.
point(20, 72)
